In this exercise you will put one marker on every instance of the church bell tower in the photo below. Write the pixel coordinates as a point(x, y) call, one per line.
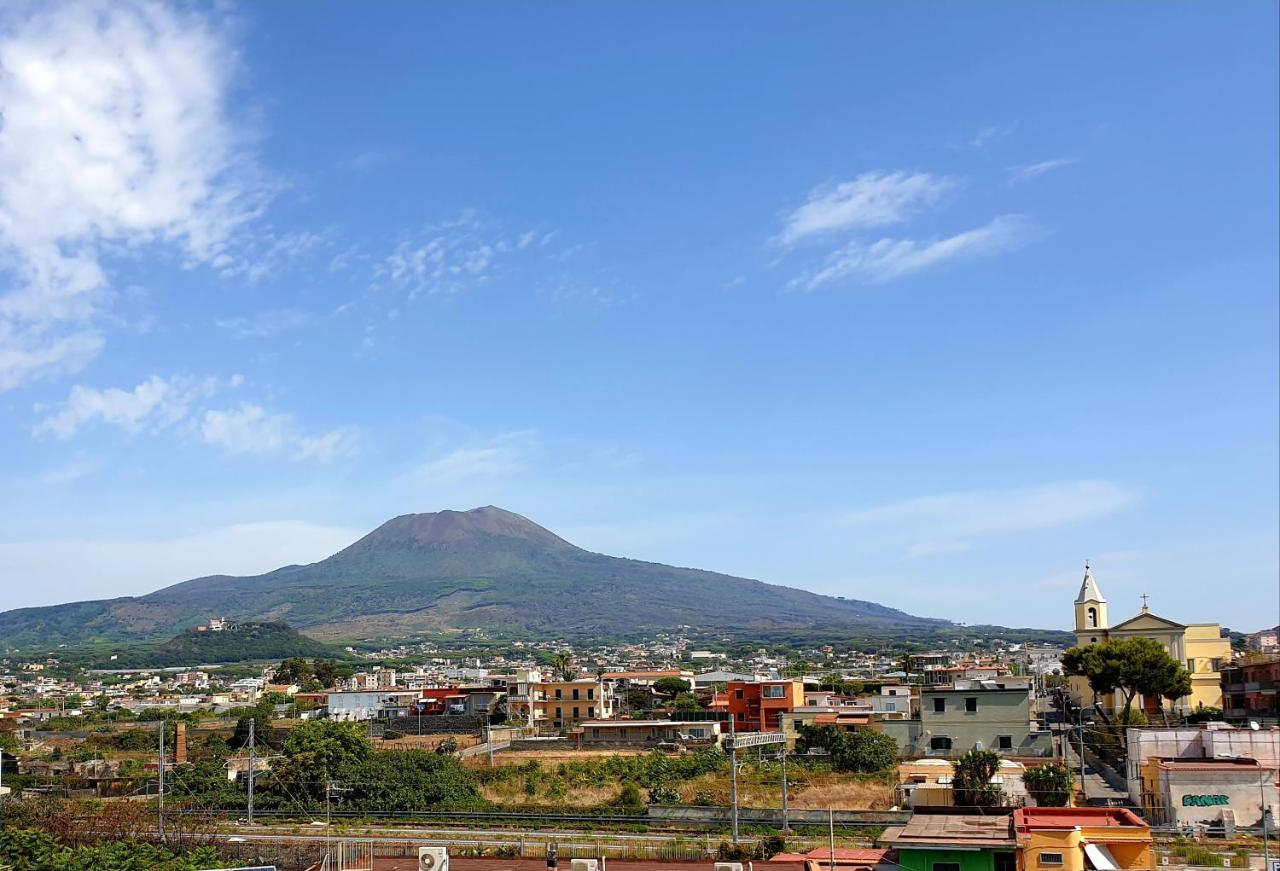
point(1091, 611)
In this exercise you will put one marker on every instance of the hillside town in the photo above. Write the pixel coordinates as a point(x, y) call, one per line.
point(882, 740)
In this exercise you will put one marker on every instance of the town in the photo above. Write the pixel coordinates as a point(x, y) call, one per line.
point(812, 757)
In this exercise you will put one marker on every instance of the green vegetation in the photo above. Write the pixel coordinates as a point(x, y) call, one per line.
point(1132, 666)
point(38, 850)
point(1050, 784)
point(971, 783)
point(319, 752)
point(860, 751)
point(240, 643)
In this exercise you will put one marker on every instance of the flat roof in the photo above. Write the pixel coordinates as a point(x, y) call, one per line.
point(1072, 817)
point(614, 724)
point(941, 831)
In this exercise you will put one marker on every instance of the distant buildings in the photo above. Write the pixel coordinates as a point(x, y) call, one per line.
point(1251, 688)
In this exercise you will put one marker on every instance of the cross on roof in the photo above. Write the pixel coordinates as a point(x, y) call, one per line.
point(1144, 601)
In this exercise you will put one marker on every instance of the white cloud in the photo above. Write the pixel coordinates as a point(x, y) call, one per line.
point(115, 136)
point(446, 258)
point(252, 429)
point(992, 133)
point(265, 324)
point(1027, 171)
point(502, 455)
point(60, 570)
point(953, 518)
point(155, 404)
point(888, 259)
point(873, 199)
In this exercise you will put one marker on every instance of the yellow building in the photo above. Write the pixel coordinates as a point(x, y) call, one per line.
point(538, 702)
point(1198, 646)
point(1082, 839)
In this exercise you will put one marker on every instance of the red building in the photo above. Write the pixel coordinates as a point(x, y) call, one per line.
point(758, 706)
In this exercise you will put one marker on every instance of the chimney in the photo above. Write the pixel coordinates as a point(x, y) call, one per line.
point(180, 743)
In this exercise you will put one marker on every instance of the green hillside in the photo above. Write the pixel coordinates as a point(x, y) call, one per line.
point(242, 642)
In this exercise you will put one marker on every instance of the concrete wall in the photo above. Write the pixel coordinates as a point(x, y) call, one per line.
point(1195, 743)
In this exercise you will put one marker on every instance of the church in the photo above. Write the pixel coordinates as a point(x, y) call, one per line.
point(1198, 646)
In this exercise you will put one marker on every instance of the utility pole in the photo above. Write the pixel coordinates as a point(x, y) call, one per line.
point(488, 736)
point(252, 721)
point(786, 823)
point(160, 790)
point(1266, 841)
point(831, 824)
point(733, 776)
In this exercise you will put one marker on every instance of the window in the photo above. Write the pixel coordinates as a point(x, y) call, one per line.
point(775, 692)
point(939, 705)
point(946, 866)
point(1050, 858)
point(1092, 622)
point(797, 724)
point(1006, 862)
point(591, 694)
point(559, 713)
point(737, 694)
point(559, 693)
point(1004, 742)
point(971, 704)
point(576, 713)
point(575, 695)
point(939, 742)
point(891, 706)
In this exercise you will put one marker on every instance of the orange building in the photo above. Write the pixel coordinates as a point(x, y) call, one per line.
point(758, 706)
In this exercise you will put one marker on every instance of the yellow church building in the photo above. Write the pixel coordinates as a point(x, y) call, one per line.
point(1199, 646)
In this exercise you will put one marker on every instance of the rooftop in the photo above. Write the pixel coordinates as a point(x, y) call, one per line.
point(1028, 818)
point(951, 830)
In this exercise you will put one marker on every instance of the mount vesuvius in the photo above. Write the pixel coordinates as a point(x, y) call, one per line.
point(486, 568)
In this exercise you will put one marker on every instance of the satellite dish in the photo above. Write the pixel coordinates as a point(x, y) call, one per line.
point(1253, 724)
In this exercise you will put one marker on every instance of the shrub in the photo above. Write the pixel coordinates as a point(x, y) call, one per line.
point(630, 796)
point(1050, 784)
point(392, 735)
point(663, 794)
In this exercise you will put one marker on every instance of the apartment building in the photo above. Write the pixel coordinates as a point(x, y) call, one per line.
point(988, 715)
point(758, 706)
point(557, 703)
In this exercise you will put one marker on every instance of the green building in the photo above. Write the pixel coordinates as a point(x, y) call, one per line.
point(954, 842)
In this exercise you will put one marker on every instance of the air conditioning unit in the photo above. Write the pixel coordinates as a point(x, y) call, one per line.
point(433, 859)
point(728, 866)
point(585, 865)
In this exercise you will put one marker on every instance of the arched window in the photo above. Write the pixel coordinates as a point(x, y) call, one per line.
point(1093, 617)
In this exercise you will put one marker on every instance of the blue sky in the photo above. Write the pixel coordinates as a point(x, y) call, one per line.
point(924, 304)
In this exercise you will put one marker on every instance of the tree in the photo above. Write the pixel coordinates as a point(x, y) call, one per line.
point(971, 783)
point(1050, 784)
point(325, 671)
point(292, 670)
point(687, 702)
point(861, 751)
point(1132, 667)
point(562, 664)
point(671, 686)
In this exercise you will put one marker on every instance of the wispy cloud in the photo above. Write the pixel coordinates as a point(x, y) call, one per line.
point(252, 429)
point(155, 404)
point(947, 522)
point(873, 199)
point(115, 135)
point(1027, 171)
point(990, 134)
point(265, 324)
point(502, 455)
point(888, 259)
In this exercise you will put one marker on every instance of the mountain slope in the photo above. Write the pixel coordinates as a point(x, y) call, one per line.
point(485, 568)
